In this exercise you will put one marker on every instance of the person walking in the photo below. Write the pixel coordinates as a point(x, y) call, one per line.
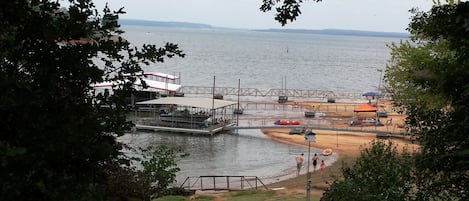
point(299, 162)
point(322, 165)
point(315, 161)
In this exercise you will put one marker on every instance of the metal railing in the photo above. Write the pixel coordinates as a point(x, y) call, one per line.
point(319, 124)
point(222, 183)
point(299, 107)
point(304, 93)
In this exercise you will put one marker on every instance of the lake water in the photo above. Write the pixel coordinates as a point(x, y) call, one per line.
point(246, 153)
point(263, 60)
point(260, 60)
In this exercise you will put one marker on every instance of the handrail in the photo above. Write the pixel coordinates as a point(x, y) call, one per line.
point(306, 93)
point(222, 183)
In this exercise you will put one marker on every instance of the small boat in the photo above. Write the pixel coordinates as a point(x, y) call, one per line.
point(296, 131)
point(327, 152)
point(184, 116)
point(287, 122)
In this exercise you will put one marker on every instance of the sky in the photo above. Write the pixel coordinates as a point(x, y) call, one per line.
point(367, 15)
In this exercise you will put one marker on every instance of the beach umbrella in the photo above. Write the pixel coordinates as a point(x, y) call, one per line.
point(371, 93)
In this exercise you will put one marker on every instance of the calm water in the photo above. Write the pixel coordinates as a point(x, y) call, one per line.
point(259, 60)
point(247, 153)
point(262, 60)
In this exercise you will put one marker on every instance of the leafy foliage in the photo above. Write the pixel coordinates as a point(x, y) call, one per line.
point(429, 79)
point(153, 170)
point(380, 173)
point(159, 171)
point(288, 11)
point(57, 136)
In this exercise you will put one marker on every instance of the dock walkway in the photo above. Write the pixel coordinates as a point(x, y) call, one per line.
point(233, 91)
point(211, 130)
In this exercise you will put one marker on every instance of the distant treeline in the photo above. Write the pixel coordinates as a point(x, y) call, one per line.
point(304, 31)
point(339, 32)
point(164, 24)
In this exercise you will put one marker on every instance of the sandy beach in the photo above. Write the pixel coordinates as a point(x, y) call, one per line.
point(345, 145)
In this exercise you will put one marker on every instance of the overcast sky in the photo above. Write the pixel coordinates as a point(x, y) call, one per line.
point(369, 15)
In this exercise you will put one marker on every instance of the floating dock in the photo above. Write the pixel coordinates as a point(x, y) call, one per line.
point(211, 130)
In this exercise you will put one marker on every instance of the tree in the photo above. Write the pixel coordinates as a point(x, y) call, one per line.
point(58, 136)
point(151, 177)
point(160, 170)
point(288, 11)
point(429, 80)
point(380, 173)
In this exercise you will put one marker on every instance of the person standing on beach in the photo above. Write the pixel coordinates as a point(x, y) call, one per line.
point(315, 161)
point(299, 163)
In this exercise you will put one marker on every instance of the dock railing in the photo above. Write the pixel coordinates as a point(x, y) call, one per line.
point(305, 93)
point(222, 183)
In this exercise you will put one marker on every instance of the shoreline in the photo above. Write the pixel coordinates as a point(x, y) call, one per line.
point(346, 148)
point(341, 142)
point(329, 160)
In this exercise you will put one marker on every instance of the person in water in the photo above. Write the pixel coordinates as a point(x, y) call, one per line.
point(322, 166)
point(299, 163)
point(315, 161)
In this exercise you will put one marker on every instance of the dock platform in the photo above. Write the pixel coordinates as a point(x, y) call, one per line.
point(211, 130)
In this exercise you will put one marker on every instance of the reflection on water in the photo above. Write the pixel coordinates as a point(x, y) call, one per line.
point(246, 153)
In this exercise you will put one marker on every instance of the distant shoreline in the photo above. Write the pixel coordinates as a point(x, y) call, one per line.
point(339, 32)
point(190, 25)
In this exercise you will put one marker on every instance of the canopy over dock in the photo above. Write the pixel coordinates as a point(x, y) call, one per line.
point(365, 108)
point(207, 103)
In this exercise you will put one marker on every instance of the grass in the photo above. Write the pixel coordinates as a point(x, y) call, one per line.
point(172, 198)
point(182, 198)
point(250, 195)
point(264, 195)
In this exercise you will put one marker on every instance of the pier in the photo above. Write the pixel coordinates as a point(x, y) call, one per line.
point(262, 113)
point(210, 130)
point(299, 93)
